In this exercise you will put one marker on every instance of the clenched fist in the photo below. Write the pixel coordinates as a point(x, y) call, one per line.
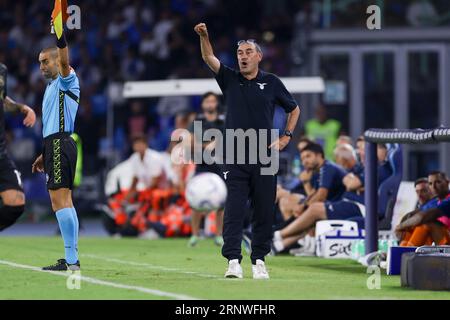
point(201, 30)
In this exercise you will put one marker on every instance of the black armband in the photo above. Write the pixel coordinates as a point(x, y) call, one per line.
point(61, 42)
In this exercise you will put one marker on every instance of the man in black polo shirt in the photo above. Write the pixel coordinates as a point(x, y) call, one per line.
point(251, 96)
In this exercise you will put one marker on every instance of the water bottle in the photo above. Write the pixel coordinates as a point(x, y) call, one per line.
point(296, 166)
point(360, 249)
point(383, 245)
point(393, 243)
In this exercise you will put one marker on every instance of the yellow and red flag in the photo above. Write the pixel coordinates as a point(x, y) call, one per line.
point(59, 16)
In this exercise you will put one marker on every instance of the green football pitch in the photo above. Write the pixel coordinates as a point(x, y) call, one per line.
point(168, 269)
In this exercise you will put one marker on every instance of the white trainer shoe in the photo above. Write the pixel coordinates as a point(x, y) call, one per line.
point(259, 270)
point(234, 269)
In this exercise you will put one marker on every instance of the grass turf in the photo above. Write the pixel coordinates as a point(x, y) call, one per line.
point(168, 265)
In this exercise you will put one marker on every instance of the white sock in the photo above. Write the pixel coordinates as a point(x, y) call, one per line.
point(277, 236)
point(278, 245)
point(307, 242)
point(301, 242)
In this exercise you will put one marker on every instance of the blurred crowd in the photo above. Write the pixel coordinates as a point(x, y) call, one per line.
point(131, 40)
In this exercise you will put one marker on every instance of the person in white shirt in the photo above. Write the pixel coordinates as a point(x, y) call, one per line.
point(147, 166)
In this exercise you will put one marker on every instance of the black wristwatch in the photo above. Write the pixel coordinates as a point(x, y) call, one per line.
point(287, 133)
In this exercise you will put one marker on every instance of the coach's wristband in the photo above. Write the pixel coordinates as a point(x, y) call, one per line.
point(61, 42)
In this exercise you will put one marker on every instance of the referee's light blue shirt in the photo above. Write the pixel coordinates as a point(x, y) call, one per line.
point(58, 108)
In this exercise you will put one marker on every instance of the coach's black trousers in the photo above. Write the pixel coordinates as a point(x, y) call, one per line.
point(246, 182)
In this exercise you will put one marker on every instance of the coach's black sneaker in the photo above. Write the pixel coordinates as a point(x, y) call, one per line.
point(62, 265)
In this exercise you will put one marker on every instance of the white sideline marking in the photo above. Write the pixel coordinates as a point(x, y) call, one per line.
point(104, 283)
point(151, 266)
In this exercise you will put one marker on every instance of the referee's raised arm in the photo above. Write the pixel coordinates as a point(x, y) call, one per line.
point(63, 56)
point(206, 48)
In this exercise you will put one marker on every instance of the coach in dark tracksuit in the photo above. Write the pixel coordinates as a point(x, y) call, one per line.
point(251, 96)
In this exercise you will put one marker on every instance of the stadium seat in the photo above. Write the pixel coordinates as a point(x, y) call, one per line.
point(387, 191)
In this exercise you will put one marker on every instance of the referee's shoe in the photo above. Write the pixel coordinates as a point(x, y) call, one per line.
point(62, 265)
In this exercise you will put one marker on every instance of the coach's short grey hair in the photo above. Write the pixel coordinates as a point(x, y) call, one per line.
point(257, 46)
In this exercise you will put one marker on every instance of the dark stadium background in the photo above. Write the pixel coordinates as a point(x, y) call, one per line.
point(151, 40)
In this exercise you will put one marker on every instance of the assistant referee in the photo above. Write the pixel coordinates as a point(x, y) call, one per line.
point(251, 96)
point(59, 157)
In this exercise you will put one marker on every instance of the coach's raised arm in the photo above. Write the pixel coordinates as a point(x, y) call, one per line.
point(207, 51)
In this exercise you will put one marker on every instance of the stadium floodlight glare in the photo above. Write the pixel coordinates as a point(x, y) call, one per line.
point(188, 87)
